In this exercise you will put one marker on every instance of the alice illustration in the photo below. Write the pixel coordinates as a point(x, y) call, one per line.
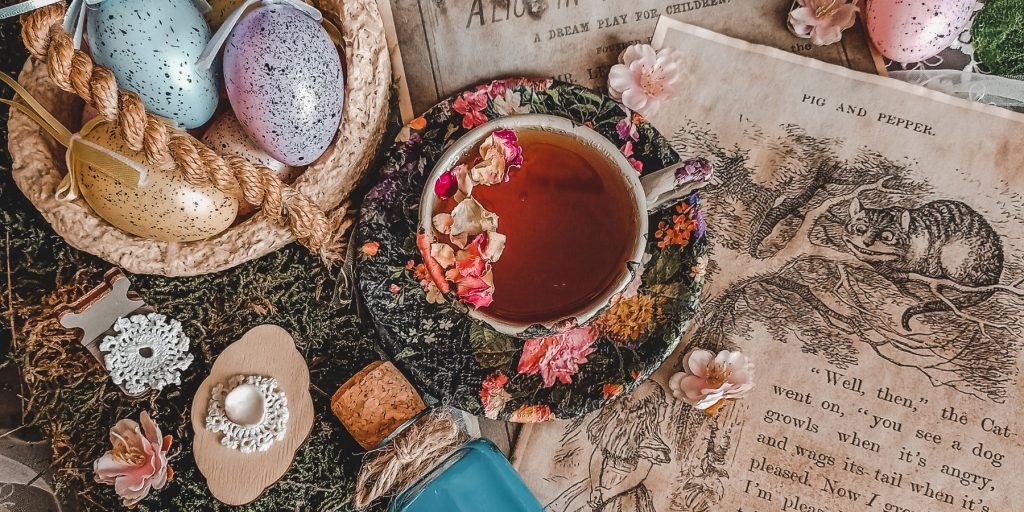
point(627, 445)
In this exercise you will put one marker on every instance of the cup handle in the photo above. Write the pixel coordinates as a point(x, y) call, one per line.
point(675, 182)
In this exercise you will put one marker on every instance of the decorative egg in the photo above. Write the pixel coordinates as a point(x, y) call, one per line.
point(226, 136)
point(914, 30)
point(152, 47)
point(165, 207)
point(285, 83)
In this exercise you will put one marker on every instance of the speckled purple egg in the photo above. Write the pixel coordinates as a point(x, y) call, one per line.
point(914, 30)
point(285, 83)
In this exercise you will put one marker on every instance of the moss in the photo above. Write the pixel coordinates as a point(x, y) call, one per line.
point(70, 398)
point(998, 36)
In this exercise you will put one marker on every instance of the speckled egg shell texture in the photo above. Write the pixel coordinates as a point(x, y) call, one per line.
point(914, 30)
point(226, 136)
point(165, 207)
point(284, 79)
point(152, 47)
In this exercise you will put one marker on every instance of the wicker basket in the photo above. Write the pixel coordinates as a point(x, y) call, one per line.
point(38, 162)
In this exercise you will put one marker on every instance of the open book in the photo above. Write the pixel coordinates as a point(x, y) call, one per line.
point(441, 47)
point(868, 254)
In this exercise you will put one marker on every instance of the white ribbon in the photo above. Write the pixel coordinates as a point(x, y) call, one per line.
point(994, 90)
point(217, 41)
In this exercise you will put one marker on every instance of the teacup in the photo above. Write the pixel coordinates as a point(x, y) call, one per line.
point(644, 195)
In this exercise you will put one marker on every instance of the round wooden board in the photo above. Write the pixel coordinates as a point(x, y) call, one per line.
point(237, 478)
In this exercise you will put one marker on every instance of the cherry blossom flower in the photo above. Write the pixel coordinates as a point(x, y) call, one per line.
point(471, 105)
point(557, 357)
point(645, 78)
point(707, 380)
point(138, 461)
point(493, 395)
point(822, 21)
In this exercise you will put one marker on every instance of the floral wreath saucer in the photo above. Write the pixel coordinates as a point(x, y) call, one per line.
point(467, 363)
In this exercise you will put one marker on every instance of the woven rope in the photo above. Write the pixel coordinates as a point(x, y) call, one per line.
point(74, 71)
point(400, 463)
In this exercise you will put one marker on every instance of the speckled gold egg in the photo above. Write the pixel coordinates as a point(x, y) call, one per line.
point(165, 207)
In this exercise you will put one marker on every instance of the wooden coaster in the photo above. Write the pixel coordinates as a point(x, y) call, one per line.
point(237, 478)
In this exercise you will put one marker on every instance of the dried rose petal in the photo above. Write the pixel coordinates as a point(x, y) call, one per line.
point(471, 218)
point(443, 223)
point(443, 254)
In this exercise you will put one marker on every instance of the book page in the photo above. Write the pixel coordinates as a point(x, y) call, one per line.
point(868, 254)
point(445, 46)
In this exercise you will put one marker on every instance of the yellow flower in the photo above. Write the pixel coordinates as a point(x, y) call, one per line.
point(628, 318)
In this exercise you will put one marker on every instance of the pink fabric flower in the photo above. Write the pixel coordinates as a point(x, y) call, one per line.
point(822, 21)
point(138, 461)
point(644, 78)
point(493, 395)
point(471, 105)
point(557, 357)
point(707, 379)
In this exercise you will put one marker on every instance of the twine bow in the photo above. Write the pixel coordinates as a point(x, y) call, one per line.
point(74, 19)
point(81, 153)
point(395, 467)
point(217, 41)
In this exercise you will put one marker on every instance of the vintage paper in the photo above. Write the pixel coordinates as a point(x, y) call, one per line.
point(445, 46)
point(868, 253)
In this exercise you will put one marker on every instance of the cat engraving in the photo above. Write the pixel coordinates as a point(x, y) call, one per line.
point(941, 240)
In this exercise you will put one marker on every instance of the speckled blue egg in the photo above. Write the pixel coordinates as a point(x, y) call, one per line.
point(152, 47)
point(284, 79)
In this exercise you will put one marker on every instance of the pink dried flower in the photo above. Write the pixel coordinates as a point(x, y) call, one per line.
point(707, 379)
point(499, 151)
point(822, 21)
point(138, 461)
point(477, 291)
point(644, 77)
point(446, 185)
point(557, 357)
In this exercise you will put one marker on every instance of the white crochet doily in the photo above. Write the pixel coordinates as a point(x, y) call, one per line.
point(250, 411)
point(148, 352)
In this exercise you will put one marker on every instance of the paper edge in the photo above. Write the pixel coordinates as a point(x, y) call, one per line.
point(665, 24)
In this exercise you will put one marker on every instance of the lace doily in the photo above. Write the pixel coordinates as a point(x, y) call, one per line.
point(148, 352)
point(250, 411)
